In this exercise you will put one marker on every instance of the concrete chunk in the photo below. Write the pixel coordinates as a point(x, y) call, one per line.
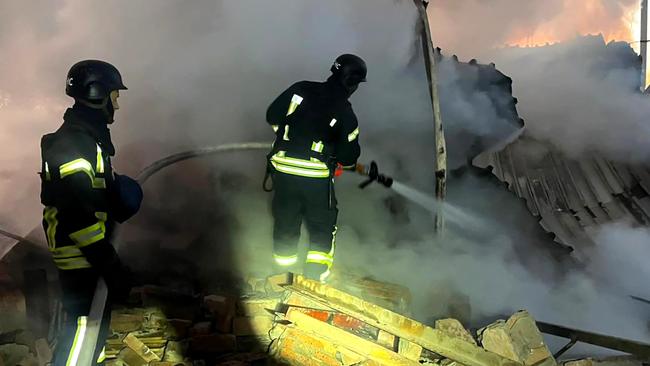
point(454, 328)
point(517, 339)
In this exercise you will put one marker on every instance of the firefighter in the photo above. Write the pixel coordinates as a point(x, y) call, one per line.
point(83, 199)
point(316, 131)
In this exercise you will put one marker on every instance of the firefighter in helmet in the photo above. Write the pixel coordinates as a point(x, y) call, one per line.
point(83, 199)
point(316, 131)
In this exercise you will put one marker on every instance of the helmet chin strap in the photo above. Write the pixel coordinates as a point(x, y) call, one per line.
point(106, 106)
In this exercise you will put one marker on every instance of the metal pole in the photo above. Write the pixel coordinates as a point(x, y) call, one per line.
point(635, 348)
point(430, 61)
point(645, 79)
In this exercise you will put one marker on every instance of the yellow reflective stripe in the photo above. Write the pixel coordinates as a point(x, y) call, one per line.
point(72, 263)
point(314, 256)
point(49, 215)
point(47, 172)
point(68, 251)
point(75, 166)
point(83, 166)
point(285, 260)
point(295, 102)
point(309, 173)
point(89, 235)
point(100, 160)
point(319, 257)
point(78, 341)
point(275, 128)
point(317, 146)
point(332, 122)
point(286, 133)
point(300, 163)
point(353, 135)
point(102, 356)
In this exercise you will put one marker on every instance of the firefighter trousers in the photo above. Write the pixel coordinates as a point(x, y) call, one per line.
point(296, 200)
point(78, 287)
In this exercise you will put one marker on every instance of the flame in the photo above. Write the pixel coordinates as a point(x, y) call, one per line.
point(581, 17)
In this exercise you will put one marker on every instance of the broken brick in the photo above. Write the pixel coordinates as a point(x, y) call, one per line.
point(256, 305)
point(222, 309)
point(274, 284)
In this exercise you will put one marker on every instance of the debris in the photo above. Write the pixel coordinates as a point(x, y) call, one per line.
point(174, 352)
point(43, 351)
point(222, 309)
point(201, 328)
point(517, 339)
point(454, 328)
point(252, 326)
point(213, 343)
point(12, 354)
point(256, 305)
point(140, 348)
point(122, 322)
point(274, 284)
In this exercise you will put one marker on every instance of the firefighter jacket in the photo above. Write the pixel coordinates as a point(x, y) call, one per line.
point(316, 129)
point(81, 194)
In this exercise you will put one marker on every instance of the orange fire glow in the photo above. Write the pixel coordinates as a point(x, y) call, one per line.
point(582, 17)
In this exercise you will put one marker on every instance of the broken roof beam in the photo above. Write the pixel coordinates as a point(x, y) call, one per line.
point(619, 344)
point(431, 339)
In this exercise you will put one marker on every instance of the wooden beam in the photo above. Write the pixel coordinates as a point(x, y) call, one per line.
point(401, 326)
point(367, 349)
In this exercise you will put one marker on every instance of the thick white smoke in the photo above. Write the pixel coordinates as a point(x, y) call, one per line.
point(203, 74)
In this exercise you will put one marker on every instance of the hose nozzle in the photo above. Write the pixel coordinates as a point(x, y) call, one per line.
point(372, 172)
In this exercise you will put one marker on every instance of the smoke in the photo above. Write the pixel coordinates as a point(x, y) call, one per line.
point(204, 74)
point(582, 96)
point(471, 28)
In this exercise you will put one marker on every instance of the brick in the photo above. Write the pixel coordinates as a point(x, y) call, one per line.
point(274, 283)
point(174, 352)
point(256, 305)
point(386, 339)
point(213, 343)
point(131, 358)
point(222, 309)
point(125, 323)
point(201, 328)
point(252, 326)
point(178, 329)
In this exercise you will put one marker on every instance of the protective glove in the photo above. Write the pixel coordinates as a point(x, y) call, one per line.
point(127, 198)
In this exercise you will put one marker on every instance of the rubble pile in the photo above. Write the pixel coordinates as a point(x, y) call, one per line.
point(290, 320)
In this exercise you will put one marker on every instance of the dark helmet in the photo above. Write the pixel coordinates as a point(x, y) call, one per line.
point(350, 70)
point(93, 80)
